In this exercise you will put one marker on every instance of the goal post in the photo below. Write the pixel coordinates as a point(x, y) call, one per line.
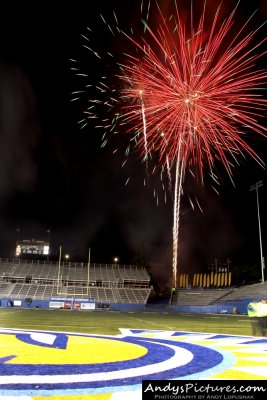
point(59, 277)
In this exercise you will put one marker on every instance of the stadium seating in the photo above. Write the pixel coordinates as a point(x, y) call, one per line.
point(199, 297)
point(205, 297)
point(41, 280)
point(106, 283)
point(256, 291)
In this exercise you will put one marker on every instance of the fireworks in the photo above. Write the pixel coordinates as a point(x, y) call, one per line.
point(190, 94)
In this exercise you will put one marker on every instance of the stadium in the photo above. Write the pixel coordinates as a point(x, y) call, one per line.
point(89, 331)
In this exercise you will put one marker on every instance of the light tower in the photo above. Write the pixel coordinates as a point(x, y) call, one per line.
point(255, 187)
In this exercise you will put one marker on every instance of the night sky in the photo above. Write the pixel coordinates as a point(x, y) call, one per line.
point(55, 176)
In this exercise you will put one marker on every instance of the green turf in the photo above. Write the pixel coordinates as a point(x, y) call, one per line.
point(109, 322)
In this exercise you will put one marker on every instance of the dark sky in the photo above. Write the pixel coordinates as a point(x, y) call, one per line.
point(53, 175)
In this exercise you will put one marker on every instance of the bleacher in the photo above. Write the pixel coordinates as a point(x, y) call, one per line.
point(199, 297)
point(106, 283)
point(41, 280)
point(255, 291)
point(206, 297)
point(3, 289)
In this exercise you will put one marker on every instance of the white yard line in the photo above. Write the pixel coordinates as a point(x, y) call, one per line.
point(166, 327)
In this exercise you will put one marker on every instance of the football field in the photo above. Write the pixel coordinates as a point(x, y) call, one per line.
point(96, 355)
point(109, 322)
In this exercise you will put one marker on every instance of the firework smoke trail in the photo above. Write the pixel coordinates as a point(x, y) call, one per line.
point(200, 96)
point(176, 214)
point(169, 173)
point(144, 128)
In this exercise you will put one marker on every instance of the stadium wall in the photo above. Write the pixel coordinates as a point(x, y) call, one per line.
point(127, 307)
point(24, 304)
point(231, 307)
point(45, 304)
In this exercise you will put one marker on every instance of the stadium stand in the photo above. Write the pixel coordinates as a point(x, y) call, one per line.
point(199, 297)
point(41, 280)
point(108, 284)
point(256, 291)
point(206, 297)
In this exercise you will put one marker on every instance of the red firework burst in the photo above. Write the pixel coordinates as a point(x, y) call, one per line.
point(193, 93)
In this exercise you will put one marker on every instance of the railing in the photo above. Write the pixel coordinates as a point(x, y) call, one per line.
point(101, 275)
point(70, 264)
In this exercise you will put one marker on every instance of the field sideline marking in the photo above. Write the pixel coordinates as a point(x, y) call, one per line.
point(153, 323)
